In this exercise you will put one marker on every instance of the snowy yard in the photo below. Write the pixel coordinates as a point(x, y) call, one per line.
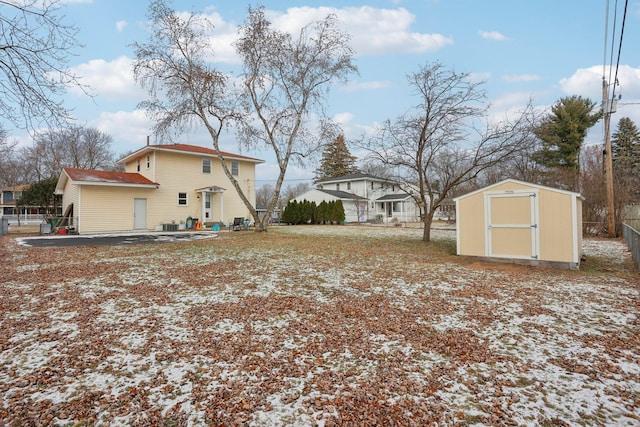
point(315, 326)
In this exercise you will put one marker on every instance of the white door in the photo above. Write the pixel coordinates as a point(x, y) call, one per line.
point(512, 225)
point(206, 208)
point(140, 214)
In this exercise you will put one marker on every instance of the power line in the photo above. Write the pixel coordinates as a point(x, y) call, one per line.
point(624, 18)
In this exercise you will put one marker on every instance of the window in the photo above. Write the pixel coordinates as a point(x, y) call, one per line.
point(234, 167)
point(148, 161)
point(348, 186)
point(372, 185)
point(138, 166)
point(182, 199)
point(206, 165)
point(338, 186)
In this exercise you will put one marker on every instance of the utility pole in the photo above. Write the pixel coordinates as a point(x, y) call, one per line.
point(608, 108)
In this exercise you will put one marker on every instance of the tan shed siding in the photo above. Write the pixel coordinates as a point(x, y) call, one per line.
point(69, 196)
point(107, 208)
point(579, 227)
point(556, 226)
point(471, 225)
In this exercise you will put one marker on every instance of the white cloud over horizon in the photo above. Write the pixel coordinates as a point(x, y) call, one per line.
point(109, 79)
point(493, 35)
point(120, 25)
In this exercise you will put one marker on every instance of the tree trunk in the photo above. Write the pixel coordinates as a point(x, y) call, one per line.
point(427, 219)
point(261, 226)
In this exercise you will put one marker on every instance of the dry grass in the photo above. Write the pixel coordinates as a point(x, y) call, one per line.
point(314, 325)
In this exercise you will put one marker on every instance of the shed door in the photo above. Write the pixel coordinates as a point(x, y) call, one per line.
point(140, 214)
point(512, 225)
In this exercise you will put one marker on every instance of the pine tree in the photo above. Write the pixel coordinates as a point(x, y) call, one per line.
point(563, 131)
point(626, 146)
point(336, 161)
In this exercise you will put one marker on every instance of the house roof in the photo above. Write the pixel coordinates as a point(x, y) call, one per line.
point(98, 177)
point(515, 181)
point(187, 149)
point(358, 176)
point(342, 194)
point(393, 197)
point(15, 188)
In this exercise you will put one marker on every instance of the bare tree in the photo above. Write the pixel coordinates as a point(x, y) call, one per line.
point(284, 80)
point(35, 46)
point(437, 146)
point(76, 147)
point(293, 191)
point(264, 194)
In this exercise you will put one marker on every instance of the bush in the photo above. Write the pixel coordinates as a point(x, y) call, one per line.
point(307, 212)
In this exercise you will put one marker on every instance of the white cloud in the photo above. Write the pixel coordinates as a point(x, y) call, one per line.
point(108, 79)
point(129, 129)
point(520, 78)
point(588, 82)
point(479, 77)
point(120, 25)
point(371, 85)
point(374, 31)
point(493, 35)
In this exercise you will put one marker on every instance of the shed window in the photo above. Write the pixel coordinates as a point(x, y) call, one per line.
point(234, 167)
point(182, 199)
point(206, 165)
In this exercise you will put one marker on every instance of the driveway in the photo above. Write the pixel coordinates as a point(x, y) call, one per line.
point(112, 239)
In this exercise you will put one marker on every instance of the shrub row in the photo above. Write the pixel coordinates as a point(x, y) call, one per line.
point(307, 212)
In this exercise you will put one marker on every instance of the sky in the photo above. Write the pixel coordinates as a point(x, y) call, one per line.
point(541, 50)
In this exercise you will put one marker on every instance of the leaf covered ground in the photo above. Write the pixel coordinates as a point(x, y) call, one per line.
point(315, 325)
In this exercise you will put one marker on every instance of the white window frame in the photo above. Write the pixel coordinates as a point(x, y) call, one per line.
point(235, 168)
point(185, 198)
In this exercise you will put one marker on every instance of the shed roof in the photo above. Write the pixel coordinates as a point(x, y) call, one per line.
point(98, 177)
point(515, 181)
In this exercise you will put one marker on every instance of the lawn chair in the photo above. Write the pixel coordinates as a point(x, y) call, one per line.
point(238, 224)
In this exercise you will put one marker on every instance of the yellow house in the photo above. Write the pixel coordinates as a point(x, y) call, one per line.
point(520, 222)
point(175, 184)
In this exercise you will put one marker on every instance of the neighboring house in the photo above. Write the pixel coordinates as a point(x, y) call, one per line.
point(262, 211)
point(8, 197)
point(367, 198)
point(9, 210)
point(355, 207)
point(161, 185)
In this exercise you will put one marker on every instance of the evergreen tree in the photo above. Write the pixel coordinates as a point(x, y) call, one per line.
point(626, 146)
point(336, 161)
point(40, 194)
point(563, 131)
point(321, 213)
point(339, 212)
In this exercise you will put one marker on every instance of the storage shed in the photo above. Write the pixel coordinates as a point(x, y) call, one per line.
point(520, 222)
